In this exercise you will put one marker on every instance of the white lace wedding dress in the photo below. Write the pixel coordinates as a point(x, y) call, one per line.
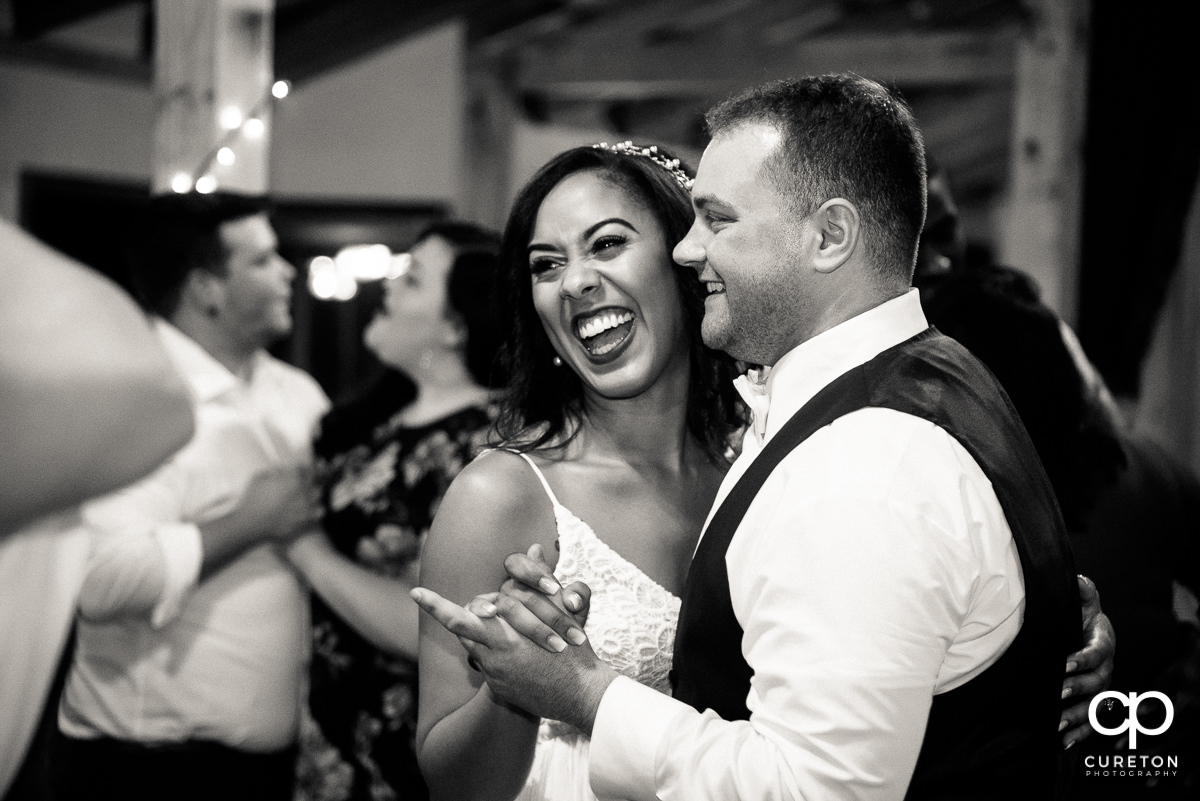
point(631, 627)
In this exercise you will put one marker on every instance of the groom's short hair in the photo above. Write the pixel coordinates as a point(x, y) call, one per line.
point(843, 136)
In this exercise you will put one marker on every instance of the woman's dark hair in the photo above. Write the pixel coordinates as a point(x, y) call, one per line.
point(470, 295)
point(541, 401)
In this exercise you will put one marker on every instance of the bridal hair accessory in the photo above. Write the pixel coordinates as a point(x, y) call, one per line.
point(671, 165)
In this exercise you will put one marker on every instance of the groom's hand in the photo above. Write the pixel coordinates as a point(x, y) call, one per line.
point(566, 684)
point(533, 602)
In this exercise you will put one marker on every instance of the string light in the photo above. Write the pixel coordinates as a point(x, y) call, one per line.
point(254, 128)
point(235, 124)
point(230, 118)
point(338, 278)
point(364, 262)
point(181, 183)
point(329, 281)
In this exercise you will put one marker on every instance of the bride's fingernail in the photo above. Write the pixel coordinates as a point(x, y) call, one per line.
point(557, 643)
point(576, 636)
point(548, 585)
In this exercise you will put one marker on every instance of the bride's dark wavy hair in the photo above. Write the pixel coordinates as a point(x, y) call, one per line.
point(542, 402)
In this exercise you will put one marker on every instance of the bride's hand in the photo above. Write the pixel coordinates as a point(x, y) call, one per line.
point(1089, 670)
point(547, 681)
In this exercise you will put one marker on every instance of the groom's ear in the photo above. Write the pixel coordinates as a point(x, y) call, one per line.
point(838, 228)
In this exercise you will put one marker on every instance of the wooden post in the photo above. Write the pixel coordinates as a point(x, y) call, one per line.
point(212, 75)
point(491, 115)
point(1041, 234)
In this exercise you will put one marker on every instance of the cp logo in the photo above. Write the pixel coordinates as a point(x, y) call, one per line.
point(1131, 723)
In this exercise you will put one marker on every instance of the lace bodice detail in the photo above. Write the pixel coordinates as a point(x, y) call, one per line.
point(631, 627)
point(632, 620)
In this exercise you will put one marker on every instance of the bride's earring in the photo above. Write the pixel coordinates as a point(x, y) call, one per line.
point(557, 361)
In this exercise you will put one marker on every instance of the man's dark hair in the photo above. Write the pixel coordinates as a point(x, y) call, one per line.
point(180, 233)
point(843, 136)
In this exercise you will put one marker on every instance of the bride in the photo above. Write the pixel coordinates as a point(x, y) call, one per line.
point(617, 426)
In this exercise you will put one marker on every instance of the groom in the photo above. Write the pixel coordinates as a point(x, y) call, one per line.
point(883, 598)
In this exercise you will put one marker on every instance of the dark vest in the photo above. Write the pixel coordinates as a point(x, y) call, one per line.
point(997, 735)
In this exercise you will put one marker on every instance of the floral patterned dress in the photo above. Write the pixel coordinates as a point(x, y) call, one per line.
point(380, 498)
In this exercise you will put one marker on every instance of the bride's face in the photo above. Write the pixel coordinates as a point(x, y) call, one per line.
point(604, 287)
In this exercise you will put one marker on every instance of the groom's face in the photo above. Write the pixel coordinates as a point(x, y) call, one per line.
point(746, 246)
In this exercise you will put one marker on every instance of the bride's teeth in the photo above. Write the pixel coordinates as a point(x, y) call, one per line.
point(601, 323)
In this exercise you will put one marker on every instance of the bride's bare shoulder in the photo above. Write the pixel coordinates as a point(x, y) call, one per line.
point(497, 477)
point(497, 499)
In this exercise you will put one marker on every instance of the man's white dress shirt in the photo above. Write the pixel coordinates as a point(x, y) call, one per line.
point(41, 568)
point(873, 570)
point(162, 656)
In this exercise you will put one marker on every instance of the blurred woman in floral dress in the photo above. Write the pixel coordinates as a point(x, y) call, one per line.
point(384, 462)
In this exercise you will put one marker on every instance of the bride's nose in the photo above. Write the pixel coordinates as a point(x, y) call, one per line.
point(579, 278)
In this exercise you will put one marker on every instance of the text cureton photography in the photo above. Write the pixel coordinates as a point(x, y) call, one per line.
point(1120, 715)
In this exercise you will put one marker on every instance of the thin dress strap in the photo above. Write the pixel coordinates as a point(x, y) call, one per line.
point(542, 478)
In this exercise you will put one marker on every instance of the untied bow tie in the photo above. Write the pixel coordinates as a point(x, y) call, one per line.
point(753, 388)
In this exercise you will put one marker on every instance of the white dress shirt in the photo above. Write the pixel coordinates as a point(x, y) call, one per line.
point(41, 568)
point(873, 570)
point(162, 656)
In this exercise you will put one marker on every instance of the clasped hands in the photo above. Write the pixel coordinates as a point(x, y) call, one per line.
point(518, 639)
point(527, 640)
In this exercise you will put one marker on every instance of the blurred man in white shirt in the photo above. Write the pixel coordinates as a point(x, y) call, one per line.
point(192, 641)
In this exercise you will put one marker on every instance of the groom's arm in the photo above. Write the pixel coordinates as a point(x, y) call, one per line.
point(849, 593)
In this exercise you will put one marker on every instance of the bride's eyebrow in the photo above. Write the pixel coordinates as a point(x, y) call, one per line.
point(591, 229)
point(618, 220)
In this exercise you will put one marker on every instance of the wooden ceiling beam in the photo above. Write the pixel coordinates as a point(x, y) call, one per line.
point(717, 63)
point(312, 38)
point(73, 59)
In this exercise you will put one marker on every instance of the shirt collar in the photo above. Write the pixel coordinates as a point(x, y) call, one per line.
point(806, 369)
point(207, 377)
